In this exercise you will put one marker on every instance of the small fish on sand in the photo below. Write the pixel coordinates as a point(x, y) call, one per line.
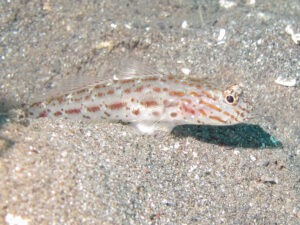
point(148, 100)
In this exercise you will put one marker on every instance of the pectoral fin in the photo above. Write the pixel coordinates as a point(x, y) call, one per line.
point(151, 128)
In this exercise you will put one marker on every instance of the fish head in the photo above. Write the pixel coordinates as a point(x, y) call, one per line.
point(236, 108)
point(226, 107)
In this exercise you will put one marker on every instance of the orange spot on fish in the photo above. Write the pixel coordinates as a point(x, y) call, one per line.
point(207, 94)
point(188, 109)
point(194, 94)
point(243, 109)
point(60, 100)
point(100, 94)
point(173, 114)
point(236, 111)
point(98, 86)
point(202, 112)
point(73, 111)
point(110, 92)
point(136, 112)
point(165, 89)
point(126, 81)
point(210, 105)
point(150, 79)
point(149, 103)
point(177, 93)
point(127, 90)
point(139, 89)
point(155, 113)
point(43, 114)
point(78, 99)
point(168, 103)
point(217, 118)
point(117, 105)
point(36, 104)
point(93, 108)
point(230, 115)
point(189, 101)
point(58, 113)
point(81, 91)
point(156, 89)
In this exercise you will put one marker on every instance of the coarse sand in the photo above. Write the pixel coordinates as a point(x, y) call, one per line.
point(97, 172)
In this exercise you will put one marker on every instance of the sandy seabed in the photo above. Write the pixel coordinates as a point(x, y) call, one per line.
point(78, 172)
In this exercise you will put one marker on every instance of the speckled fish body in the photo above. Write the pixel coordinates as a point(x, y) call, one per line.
point(151, 103)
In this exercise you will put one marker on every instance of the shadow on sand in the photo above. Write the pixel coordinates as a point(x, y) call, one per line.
point(241, 135)
point(5, 142)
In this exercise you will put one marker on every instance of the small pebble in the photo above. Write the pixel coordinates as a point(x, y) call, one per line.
point(251, 2)
point(226, 4)
point(113, 25)
point(184, 25)
point(253, 158)
point(11, 219)
point(269, 180)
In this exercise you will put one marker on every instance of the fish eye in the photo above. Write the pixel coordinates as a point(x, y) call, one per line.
point(230, 99)
point(232, 94)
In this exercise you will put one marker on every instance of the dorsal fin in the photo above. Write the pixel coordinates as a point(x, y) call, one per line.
point(127, 70)
point(134, 69)
point(66, 85)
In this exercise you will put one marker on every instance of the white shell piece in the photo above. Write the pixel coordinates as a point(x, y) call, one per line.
point(227, 4)
point(295, 36)
point(186, 71)
point(184, 25)
point(221, 35)
point(11, 219)
point(288, 82)
point(289, 30)
point(251, 2)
